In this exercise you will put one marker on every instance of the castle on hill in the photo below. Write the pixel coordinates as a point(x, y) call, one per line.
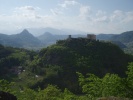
point(89, 36)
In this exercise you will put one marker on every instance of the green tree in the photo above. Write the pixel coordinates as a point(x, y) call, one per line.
point(50, 93)
point(130, 74)
point(26, 94)
point(129, 83)
point(69, 95)
point(112, 86)
point(109, 85)
point(90, 85)
point(7, 86)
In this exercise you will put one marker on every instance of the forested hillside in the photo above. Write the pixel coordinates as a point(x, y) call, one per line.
point(65, 64)
point(60, 62)
point(13, 58)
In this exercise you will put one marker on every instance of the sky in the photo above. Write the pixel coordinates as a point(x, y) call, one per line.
point(95, 16)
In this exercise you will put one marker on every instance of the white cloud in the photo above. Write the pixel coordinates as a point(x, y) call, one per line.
point(74, 16)
point(56, 11)
point(26, 8)
point(85, 12)
point(67, 3)
point(129, 17)
point(24, 17)
point(100, 13)
point(101, 19)
point(117, 16)
point(27, 13)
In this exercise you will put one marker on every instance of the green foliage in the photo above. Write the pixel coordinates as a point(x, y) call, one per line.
point(69, 95)
point(130, 73)
point(26, 94)
point(4, 52)
point(112, 86)
point(58, 64)
point(34, 65)
point(129, 81)
point(53, 71)
point(15, 59)
point(6, 86)
point(50, 93)
point(11, 59)
point(90, 85)
point(78, 55)
point(109, 85)
point(93, 87)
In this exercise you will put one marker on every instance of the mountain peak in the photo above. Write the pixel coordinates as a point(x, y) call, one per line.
point(25, 31)
point(47, 34)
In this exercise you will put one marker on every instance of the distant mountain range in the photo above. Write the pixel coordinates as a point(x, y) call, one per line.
point(40, 31)
point(124, 37)
point(49, 38)
point(123, 40)
point(21, 40)
point(26, 39)
point(104, 36)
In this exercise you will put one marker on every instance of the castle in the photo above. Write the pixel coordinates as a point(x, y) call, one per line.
point(89, 36)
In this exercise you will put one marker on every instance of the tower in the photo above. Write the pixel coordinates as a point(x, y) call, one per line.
point(91, 36)
point(69, 36)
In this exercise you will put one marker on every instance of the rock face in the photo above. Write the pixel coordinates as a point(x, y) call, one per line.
point(7, 96)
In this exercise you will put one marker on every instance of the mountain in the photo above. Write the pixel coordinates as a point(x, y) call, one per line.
point(97, 54)
point(123, 40)
point(26, 40)
point(104, 36)
point(30, 70)
point(124, 37)
point(48, 38)
point(120, 44)
point(25, 33)
point(22, 40)
point(40, 31)
point(69, 56)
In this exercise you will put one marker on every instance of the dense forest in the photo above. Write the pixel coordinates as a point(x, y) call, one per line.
point(71, 69)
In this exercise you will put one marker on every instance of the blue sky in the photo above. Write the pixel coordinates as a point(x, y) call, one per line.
point(96, 16)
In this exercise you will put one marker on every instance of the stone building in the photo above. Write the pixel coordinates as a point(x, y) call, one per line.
point(91, 36)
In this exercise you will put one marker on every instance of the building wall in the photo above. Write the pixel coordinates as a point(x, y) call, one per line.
point(91, 36)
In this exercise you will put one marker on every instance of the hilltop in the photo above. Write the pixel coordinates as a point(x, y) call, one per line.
point(61, 61)
point(58, 64)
